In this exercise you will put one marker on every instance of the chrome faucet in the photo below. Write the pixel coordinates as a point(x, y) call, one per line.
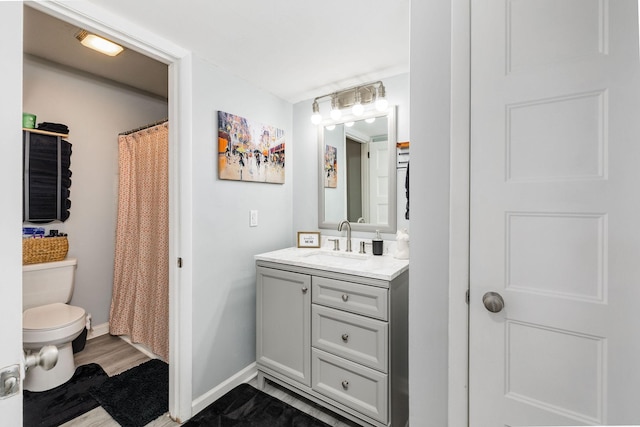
point(345, 222)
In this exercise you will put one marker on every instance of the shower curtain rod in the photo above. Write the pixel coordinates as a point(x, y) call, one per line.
point(150, 125)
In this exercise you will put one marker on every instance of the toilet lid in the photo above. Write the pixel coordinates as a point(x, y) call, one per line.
point(51, 316)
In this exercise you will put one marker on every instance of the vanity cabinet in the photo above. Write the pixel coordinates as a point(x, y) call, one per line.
point(340, 340)
point(283, 313)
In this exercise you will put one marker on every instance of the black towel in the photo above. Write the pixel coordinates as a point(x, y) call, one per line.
point(53, 127)
point(47, 200)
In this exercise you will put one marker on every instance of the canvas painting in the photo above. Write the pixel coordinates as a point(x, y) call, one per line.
point(249, 151)
point(330, 166)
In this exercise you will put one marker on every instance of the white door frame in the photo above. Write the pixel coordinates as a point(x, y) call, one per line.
point(459, 211)
point(179, 60)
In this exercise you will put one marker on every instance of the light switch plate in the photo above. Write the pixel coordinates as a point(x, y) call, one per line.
point(253, 218)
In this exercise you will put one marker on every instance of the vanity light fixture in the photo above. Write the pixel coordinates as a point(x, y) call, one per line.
point(335, 108)
point(358, 108)
point(358, 98)
point(98, 43)
point(316, 118)
point(381, 99)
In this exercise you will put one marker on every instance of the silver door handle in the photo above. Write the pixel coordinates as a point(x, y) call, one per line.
point(493, 302)
point(46, 358)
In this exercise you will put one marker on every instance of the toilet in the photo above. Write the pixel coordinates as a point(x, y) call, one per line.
point(47, 319)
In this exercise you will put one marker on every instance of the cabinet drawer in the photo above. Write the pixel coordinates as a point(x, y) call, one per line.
point(362, 389)
point(357, 338)
point(354, 297)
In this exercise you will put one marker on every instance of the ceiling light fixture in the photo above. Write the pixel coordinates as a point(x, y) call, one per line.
point(358, 98)
point(98, 43)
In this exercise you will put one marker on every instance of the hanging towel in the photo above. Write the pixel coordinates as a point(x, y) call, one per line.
point(406, 186)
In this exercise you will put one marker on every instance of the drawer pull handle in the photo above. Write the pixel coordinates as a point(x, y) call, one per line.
point(345, 384)
point(304, 290)
point(345, 297)
point(345, 337)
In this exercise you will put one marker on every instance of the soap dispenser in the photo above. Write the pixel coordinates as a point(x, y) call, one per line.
point(377, 244)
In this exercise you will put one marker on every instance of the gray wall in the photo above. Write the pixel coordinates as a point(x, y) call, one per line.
point(223, 243)
point(429, 274)
point(95, 111)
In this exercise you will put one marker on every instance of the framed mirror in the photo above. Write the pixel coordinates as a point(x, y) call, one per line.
point(358, 172)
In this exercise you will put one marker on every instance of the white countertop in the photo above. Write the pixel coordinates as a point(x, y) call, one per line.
point(384, 267)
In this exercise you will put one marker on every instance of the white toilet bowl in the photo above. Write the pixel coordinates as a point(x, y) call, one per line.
point(51, 324)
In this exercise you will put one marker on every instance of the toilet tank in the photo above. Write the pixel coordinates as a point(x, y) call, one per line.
point(48, 282)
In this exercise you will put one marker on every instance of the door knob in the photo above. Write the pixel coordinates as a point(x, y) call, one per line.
point(46, 358)
point(493, 302)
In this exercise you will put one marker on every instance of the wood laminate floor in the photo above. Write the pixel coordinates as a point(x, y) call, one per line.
point(116, 356)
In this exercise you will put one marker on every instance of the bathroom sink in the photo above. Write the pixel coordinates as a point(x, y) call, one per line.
point(339, 258)
point(384, 267)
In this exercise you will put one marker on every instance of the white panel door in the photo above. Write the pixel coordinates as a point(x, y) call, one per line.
point(10, 215)
point(555, 213)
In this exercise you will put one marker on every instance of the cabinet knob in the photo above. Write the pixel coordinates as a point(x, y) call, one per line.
point(345, 337)
point(304, 290)
point(345, 384)
point(345, 297)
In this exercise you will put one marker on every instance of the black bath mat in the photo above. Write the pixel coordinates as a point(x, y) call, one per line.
point(67, 401)
point(138, 396)
point(246, 406)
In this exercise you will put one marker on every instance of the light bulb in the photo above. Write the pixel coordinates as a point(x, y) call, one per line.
point(316, 118)
point(330, 127)
point(382, 104)
point(336, 113)
point(349, 124)
point(370, 120)
point(357, 109)
point(381, 99)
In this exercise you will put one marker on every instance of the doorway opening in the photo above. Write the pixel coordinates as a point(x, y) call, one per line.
point(177, 61)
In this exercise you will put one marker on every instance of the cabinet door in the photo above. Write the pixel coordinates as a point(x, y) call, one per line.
point(283, 316)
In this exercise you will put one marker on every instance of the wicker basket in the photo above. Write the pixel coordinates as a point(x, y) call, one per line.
point(47, 249)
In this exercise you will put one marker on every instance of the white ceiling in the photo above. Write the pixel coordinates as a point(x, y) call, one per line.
point(295, 49)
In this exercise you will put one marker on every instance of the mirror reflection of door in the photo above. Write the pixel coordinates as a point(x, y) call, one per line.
point(354, 180)
point(367, 180)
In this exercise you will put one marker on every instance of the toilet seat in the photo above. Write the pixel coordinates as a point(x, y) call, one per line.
point(51, 324)
point(51, 316)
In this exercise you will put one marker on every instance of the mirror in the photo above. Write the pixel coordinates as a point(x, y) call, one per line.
point(358, 173)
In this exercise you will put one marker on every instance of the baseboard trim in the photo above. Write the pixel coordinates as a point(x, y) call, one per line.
point(244, 376)
point(140, 347)
point(98, 330)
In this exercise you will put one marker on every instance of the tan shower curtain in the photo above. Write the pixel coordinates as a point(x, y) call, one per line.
point(140, 300)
